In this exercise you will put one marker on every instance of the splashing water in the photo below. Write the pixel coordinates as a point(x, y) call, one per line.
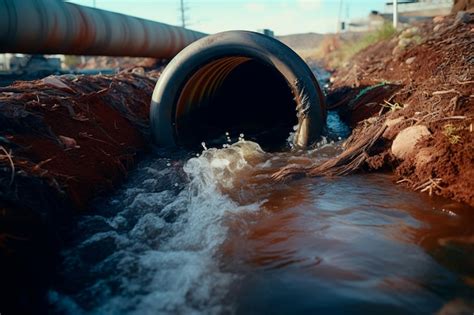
point(157, 254)
point(226, 239)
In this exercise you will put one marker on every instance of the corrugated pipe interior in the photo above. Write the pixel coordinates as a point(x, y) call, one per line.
point(238, 82)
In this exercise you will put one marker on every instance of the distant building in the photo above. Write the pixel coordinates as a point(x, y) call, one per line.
point(374, 21)
point(29, 63)
point(420, 8)
point(408, 11)
point(267, 32)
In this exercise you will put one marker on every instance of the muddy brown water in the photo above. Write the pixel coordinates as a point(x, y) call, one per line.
point(213, 234)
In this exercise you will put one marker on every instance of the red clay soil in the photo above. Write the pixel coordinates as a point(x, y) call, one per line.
point(430, 83)
point(80, 133)
point(422, 78)
point(63, 141)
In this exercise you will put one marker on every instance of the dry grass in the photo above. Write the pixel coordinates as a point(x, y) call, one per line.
point(335, 50)
point(357, 151)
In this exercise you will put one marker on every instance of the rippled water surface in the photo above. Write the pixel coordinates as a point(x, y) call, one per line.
point(214, 234)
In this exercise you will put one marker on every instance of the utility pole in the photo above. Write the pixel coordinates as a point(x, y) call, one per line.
point(339, 17)
point(395, 14)
point(93, 3)
point(183, 13)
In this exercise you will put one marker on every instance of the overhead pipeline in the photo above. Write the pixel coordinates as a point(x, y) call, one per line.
point(58, 27)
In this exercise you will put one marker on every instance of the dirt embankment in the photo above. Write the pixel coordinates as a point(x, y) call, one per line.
point(63, 141)
point(411, 101)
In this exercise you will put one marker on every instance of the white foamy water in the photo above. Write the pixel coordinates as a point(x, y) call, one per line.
point(152, 249)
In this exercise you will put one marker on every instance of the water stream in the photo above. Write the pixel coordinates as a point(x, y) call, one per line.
point(213, 234)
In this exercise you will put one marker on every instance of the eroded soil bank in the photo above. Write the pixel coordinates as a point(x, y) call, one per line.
point(63, 141)
point(411, 102)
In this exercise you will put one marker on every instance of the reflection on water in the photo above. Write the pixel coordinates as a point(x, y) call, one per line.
point(355, 244)
point(213, 234)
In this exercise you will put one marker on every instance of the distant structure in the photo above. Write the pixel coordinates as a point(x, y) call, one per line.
point(420, 8)
point(374, 21)
point(408, 11)
point(20, 63)
point(267, 32)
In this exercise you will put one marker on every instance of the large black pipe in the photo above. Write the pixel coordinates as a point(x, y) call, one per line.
point(241, 82)
point(55, 26)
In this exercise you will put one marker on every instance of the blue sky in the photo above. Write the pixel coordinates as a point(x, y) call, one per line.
point(212, 16)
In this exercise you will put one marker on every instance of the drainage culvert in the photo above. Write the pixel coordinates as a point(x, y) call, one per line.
point(237, 82)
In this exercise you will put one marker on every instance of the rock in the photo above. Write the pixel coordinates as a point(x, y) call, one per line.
point(409, 32)
point(397, 50)
point(438, 19)
point(404, 42)
point(69, 143)
point(409, 61)
point(437, 27)
point(406, 140)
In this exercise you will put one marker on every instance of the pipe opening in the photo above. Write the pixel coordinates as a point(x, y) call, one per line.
point(235, 94)
point(237, 82)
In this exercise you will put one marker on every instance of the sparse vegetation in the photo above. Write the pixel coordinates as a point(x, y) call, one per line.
point(343, 51)
point(392, 106)
point(450, 131)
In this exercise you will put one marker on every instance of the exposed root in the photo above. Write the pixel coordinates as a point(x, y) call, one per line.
point(8, 155)
point(430, 185)
point(346, 163)
point(445, 92)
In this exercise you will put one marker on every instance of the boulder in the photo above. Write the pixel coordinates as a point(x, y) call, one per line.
point(406, 140)
point(438, 19)
point(409, 61)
